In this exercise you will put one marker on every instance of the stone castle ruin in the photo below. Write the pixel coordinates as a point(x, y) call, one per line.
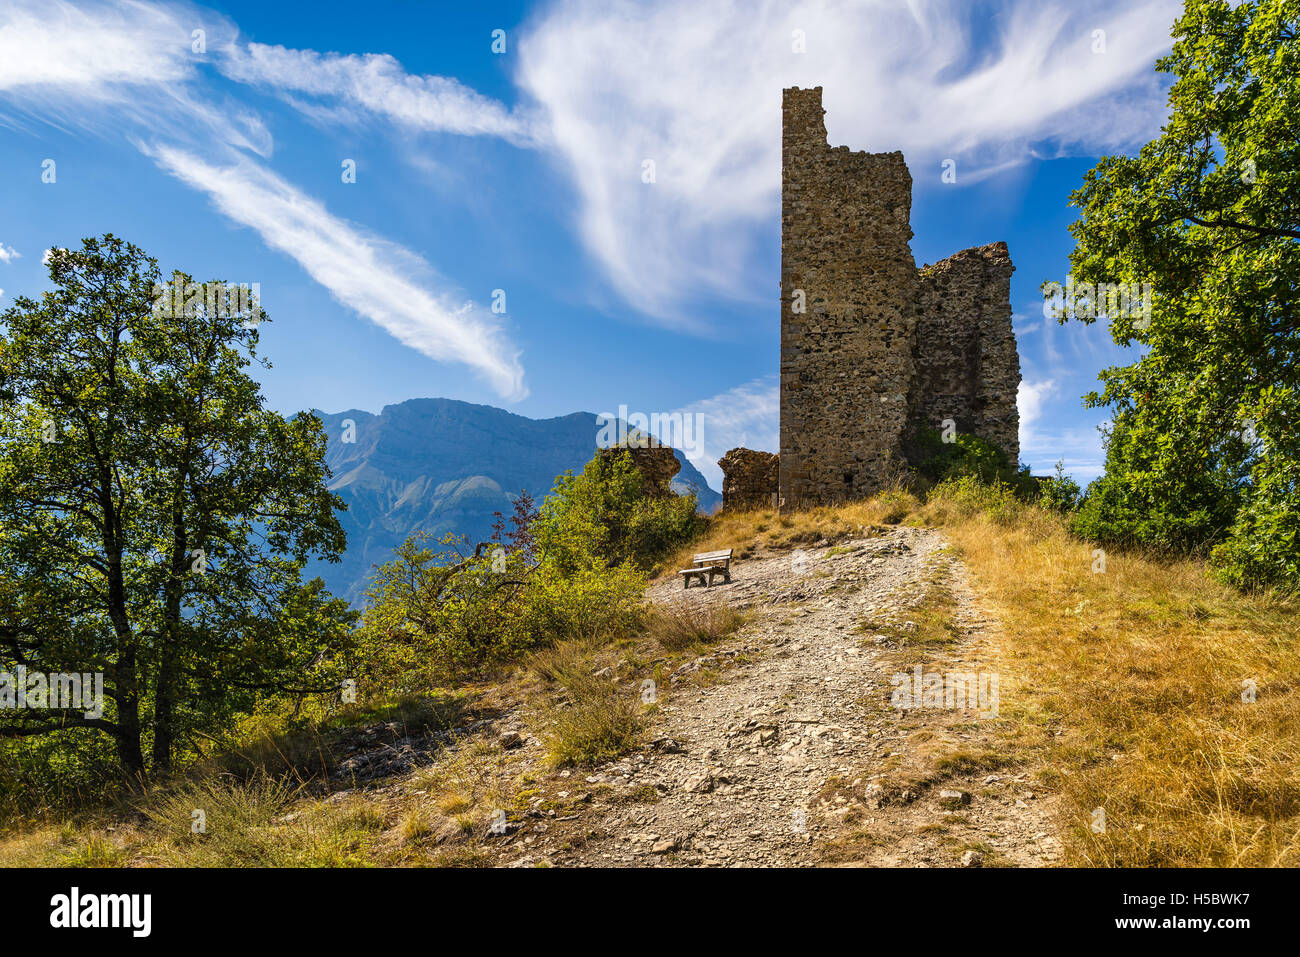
point(873, 350)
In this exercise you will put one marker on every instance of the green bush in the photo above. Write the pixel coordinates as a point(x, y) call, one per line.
point(438, 616)
point(55, 773)
point(1116, 510)
point(575, 567)
point(1059, 492)
point(966, 496)
point(1263, 547)
point(597, 599)
point(967, 455)
point(604, 511)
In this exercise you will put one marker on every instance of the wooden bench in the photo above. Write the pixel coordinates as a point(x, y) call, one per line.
point(705, 566)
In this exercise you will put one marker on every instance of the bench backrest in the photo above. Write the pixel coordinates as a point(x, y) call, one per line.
point(722, 556)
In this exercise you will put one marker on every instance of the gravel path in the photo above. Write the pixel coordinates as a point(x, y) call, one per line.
point(791, 754)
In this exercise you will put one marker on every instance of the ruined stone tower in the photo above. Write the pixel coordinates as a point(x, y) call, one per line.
point(873, 350)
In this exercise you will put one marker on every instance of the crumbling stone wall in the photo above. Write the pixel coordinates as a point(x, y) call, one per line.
point(656, 463)
point(848, 310)
point(749, 478)
point(870, 347)
point(967, 367)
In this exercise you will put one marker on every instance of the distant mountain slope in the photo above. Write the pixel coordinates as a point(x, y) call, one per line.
point(442, 466)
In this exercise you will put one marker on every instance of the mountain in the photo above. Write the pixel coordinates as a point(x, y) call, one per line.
point(442, 466)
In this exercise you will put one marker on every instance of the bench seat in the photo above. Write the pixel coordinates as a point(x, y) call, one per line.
point(705, 565)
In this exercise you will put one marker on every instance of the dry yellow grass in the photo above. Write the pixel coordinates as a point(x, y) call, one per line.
point(681, 626)
point(747, 531)
point(1125, 687)
point(1131, 686)
point(1136, 675)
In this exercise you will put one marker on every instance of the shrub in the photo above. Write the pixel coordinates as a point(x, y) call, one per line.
point(894, 505)
point(1263, 547)
point(595, 599)
point(1059, 493)
point(682, 625)
point(1118, 511)
point(573, 567)
point(604, 511)
point(599, 722)
point(966, 496)
point(438, 616)
point(965, 455)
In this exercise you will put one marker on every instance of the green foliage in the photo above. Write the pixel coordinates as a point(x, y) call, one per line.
point(605, 511)
point(966, 455)
point(437, 615)
point(445, 614)
point(596, 599)
point(154, 514)
point(965, 495)
point(1059, 492)
point(1263, 546)
point(1204, 448)
point(1133, 508)
point(54, 773)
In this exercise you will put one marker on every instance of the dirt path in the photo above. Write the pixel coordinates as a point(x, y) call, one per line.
point(781, 746)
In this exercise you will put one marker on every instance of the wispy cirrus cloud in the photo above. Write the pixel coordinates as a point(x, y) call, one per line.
point(118, 66)
point(375, 85)
point(747, 415)
point(699, 93)
point(374, 277)
point(98, 50)
point(131, 67)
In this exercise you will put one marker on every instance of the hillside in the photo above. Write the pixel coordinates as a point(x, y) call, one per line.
point(1118, 734)
point(444, 466)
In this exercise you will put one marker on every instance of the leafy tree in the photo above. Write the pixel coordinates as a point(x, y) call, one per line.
point(1203, 448)
point(604, 510)
point(154, 514)
point(441, 614)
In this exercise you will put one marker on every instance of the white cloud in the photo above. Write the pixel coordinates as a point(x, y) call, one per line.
point(696, 86)
point(129, 67)
point(377, 84)
point(110, 67)
point(1079, 449)
point(8, 254)
point(1029, 403)
point(378, 279)
point(94, 50)
point(746, 416)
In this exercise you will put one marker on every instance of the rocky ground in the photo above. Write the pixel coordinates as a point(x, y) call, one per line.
point(780, 747)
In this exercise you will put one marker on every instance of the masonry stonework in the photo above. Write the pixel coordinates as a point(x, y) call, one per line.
point(749, 479)
point(967, 367)
point(656, 463)
point(873, 349)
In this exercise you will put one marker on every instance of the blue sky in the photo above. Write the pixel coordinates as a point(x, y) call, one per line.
point(521, 171)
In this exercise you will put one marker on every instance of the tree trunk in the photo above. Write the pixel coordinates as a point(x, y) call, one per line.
point(164, 696)
point(129, 752)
